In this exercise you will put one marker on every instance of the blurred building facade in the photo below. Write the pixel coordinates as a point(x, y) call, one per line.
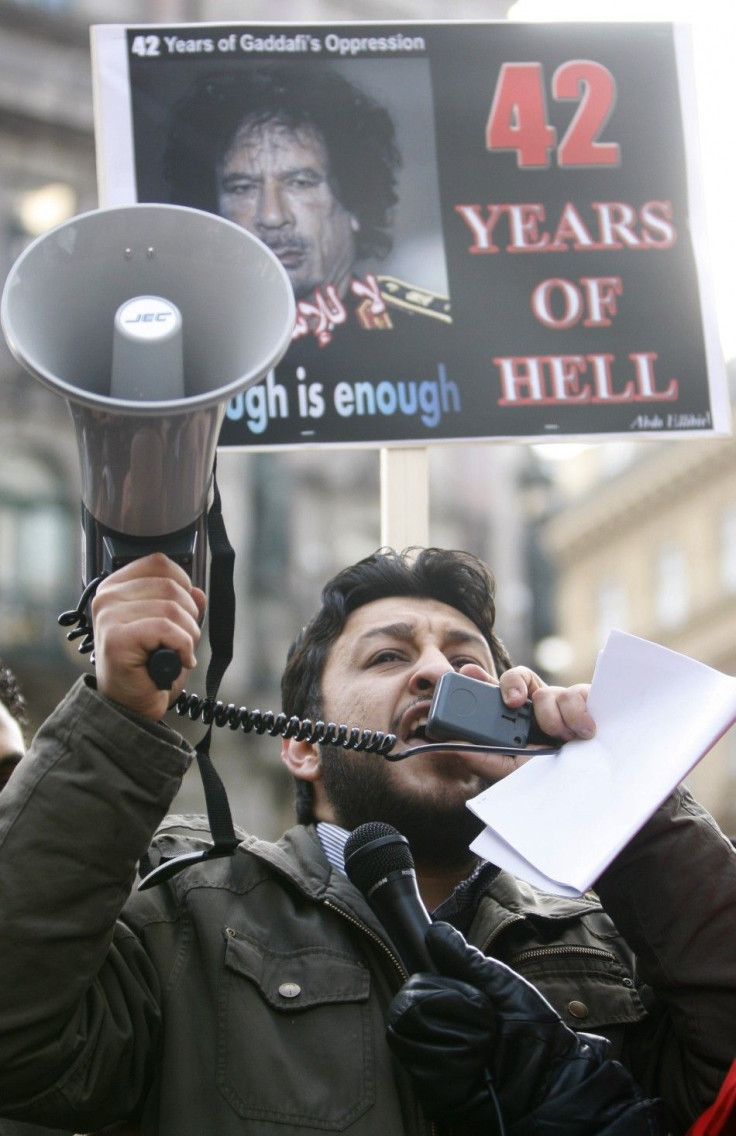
point(642, 537)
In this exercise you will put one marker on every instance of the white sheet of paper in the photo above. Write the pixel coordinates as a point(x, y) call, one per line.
point(558, 821)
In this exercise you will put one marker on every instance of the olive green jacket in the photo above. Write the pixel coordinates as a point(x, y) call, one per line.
point(249, 994)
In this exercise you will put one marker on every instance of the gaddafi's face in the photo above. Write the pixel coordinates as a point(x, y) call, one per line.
point(275, 182)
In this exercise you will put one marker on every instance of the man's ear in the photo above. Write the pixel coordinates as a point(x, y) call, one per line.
point(302, 759)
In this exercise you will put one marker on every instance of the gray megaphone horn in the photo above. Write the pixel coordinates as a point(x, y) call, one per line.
point(147, 319)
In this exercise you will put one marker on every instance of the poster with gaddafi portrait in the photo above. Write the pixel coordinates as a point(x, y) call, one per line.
point(493, 230)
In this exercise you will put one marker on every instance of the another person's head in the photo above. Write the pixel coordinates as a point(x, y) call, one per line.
point(295, 154)
point(13, 724)
point(387, 627)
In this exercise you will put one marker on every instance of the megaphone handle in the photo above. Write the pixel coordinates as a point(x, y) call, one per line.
point(164, 667)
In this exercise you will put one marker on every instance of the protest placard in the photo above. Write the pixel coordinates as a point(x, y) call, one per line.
point(511, 243)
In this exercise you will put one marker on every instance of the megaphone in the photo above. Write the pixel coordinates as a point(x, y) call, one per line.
point(147, 319)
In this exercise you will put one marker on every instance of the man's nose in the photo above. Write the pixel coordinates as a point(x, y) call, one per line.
point(273, 208)
point(430, 667)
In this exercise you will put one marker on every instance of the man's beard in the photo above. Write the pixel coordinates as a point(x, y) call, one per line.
point(438, 826)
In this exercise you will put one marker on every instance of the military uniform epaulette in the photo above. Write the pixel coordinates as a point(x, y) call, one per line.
point(410, 298)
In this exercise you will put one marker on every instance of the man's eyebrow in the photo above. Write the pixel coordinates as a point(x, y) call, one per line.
point(310, 172)
point(236, 175)
point(405, 630)
point(389, 631)
point(283, 175)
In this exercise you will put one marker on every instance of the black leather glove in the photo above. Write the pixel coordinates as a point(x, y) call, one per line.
point(478, 1038)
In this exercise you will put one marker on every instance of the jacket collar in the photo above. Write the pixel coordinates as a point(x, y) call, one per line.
point(502, 897)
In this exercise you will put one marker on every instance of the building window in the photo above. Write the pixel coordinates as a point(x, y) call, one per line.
point(611, 608)
point(672, 586)
point(36, 555)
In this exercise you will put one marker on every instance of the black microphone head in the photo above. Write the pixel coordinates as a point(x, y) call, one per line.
point(379, 863)
point(373, 851)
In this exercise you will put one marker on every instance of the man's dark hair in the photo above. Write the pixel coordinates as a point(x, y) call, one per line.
point(358, 134)
point(12, 697)
point(456, 578)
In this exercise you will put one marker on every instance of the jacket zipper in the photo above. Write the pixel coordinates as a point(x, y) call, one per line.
point(564, 949)
point(498, 929)
point(371, 935)
point(432, 1129)
point(541, 952)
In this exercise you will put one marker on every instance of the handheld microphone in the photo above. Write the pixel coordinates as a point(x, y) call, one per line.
point(379, 862)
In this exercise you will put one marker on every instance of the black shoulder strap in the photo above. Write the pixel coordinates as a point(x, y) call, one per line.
point(221, 631)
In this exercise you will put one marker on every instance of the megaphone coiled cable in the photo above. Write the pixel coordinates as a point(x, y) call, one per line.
point(77, 618)
point(239, 717)
point(282, 725)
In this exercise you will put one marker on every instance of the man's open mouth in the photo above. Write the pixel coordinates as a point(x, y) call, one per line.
point(413, 730)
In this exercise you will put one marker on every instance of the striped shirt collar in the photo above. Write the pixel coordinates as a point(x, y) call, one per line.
point(457, 909)
point(333, 840)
